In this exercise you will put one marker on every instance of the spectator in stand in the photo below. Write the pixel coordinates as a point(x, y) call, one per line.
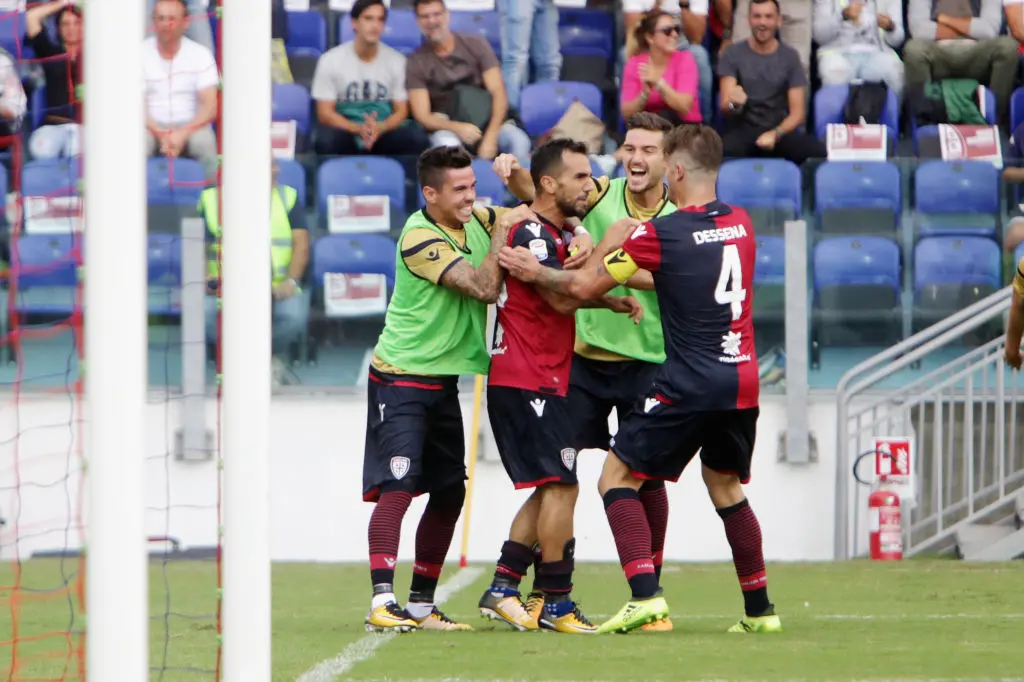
point(359, 88)
point(12, 99)
point(59, 134)
point(693, 17)
point(763, 93)
point(181, 89)
point(795, 29)
point(198, 25)
point(661, 79)
point(858, 40)
point(446, 61)
point(529, 33)
point(960, 39)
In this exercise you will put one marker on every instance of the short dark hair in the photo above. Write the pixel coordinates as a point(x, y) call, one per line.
point(761, 2)
point(416, 4)
point(699, 142)
point(183, 3)
point(547, 158)
point(646, 120)
point(361, 6)
point(434, 162)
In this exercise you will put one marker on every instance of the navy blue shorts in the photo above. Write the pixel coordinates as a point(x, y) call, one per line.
point(596, 387)
point(658, 439)
point(534, 436)
point(414, 435)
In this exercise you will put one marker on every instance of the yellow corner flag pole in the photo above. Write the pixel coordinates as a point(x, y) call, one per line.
point(474, 446)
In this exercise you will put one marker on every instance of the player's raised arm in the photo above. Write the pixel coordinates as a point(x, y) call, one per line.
point(1015, 328)
point(515, 177)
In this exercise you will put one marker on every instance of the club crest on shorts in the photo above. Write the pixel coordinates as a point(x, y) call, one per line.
point(569, 458)
point(400, 467)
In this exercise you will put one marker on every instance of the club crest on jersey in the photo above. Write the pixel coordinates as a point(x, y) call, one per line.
point(569, 458)
point(539, 248)
point(399, 467)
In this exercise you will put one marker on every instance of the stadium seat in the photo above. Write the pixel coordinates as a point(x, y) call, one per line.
point(306, 29)
point(829, 102)
point(293, 175)
point(47, 273)
point(302, 63)
point(770, 292)
point(488, 184)
point(1018, 253)
point(857, 297)
point(400, 31)
point(918, 132)
point(857, 198)
point(956, 198)
point(291, 102)
point(355, 254)
point(363, 176)
point(541, 105)
point(164, 274)
point(586, 32)
point(174, 181)
point(486, 24)
point(951, 273)
point(50, 177)
point(1016, 109)
point(12, 32)
point(768, 189)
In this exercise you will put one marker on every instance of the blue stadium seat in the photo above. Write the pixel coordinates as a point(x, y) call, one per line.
point(400, 32)
point(586, 32)
point(488, 184)
point(486, 24)
point(12, 32)
point(951, 273)
point(770, 291)
point(857, 198)
point(48, 273)
point(356, 254)
point(164, 274)
point(956, 198)
point(174, 181)
point(1016, 108)
point(829, 102)
point(933, 130)
point(50, 177)
point(1018, 253)
point(293, 175)
point(291, 102)
point(363, 176)
point(857, 297)
point(768, 189)
point(541, 105)
point(306, 30)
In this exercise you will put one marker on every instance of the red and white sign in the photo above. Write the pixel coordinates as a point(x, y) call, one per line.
point(970, 143)
point(857, 142)
point(352, 295)
point(894, 466)
point(282, 139)
point(358, 214)
point(54, 215)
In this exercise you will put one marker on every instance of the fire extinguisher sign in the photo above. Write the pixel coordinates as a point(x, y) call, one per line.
point(895, 462)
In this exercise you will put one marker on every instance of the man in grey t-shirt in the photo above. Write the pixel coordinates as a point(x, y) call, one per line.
point(763, 93)
point(359, 87)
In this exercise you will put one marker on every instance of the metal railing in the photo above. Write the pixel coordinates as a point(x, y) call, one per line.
point(963, 416)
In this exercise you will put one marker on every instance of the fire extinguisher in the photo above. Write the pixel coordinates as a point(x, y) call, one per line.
point(885, 525)
point(885, 522)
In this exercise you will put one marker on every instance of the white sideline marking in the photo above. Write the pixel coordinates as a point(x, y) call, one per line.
point(364, 368)
point(366, 647)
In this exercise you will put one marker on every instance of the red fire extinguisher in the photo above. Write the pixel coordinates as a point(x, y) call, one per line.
point(885, 525)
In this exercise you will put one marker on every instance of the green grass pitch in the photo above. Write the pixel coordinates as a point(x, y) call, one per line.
point(913, 620)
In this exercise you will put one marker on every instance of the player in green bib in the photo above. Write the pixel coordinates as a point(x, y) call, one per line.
point(446, 272)
point(615, 360)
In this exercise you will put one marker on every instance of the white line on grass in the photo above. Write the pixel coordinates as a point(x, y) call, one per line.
point(366, 647)
point(868, 679)
point(847, 616)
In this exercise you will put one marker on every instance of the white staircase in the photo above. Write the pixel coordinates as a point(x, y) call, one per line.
point(1000, 540)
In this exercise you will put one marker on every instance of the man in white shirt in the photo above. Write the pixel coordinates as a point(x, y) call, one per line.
point(693, 17)
point(181, 89)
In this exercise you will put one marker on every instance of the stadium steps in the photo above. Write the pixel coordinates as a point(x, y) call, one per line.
point(1000, 541)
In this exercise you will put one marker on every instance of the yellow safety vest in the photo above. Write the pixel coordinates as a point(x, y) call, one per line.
point(282, 201)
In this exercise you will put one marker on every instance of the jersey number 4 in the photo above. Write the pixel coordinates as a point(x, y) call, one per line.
point(729, 290)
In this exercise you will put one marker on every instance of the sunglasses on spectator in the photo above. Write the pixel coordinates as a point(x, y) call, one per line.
point(671, 30)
